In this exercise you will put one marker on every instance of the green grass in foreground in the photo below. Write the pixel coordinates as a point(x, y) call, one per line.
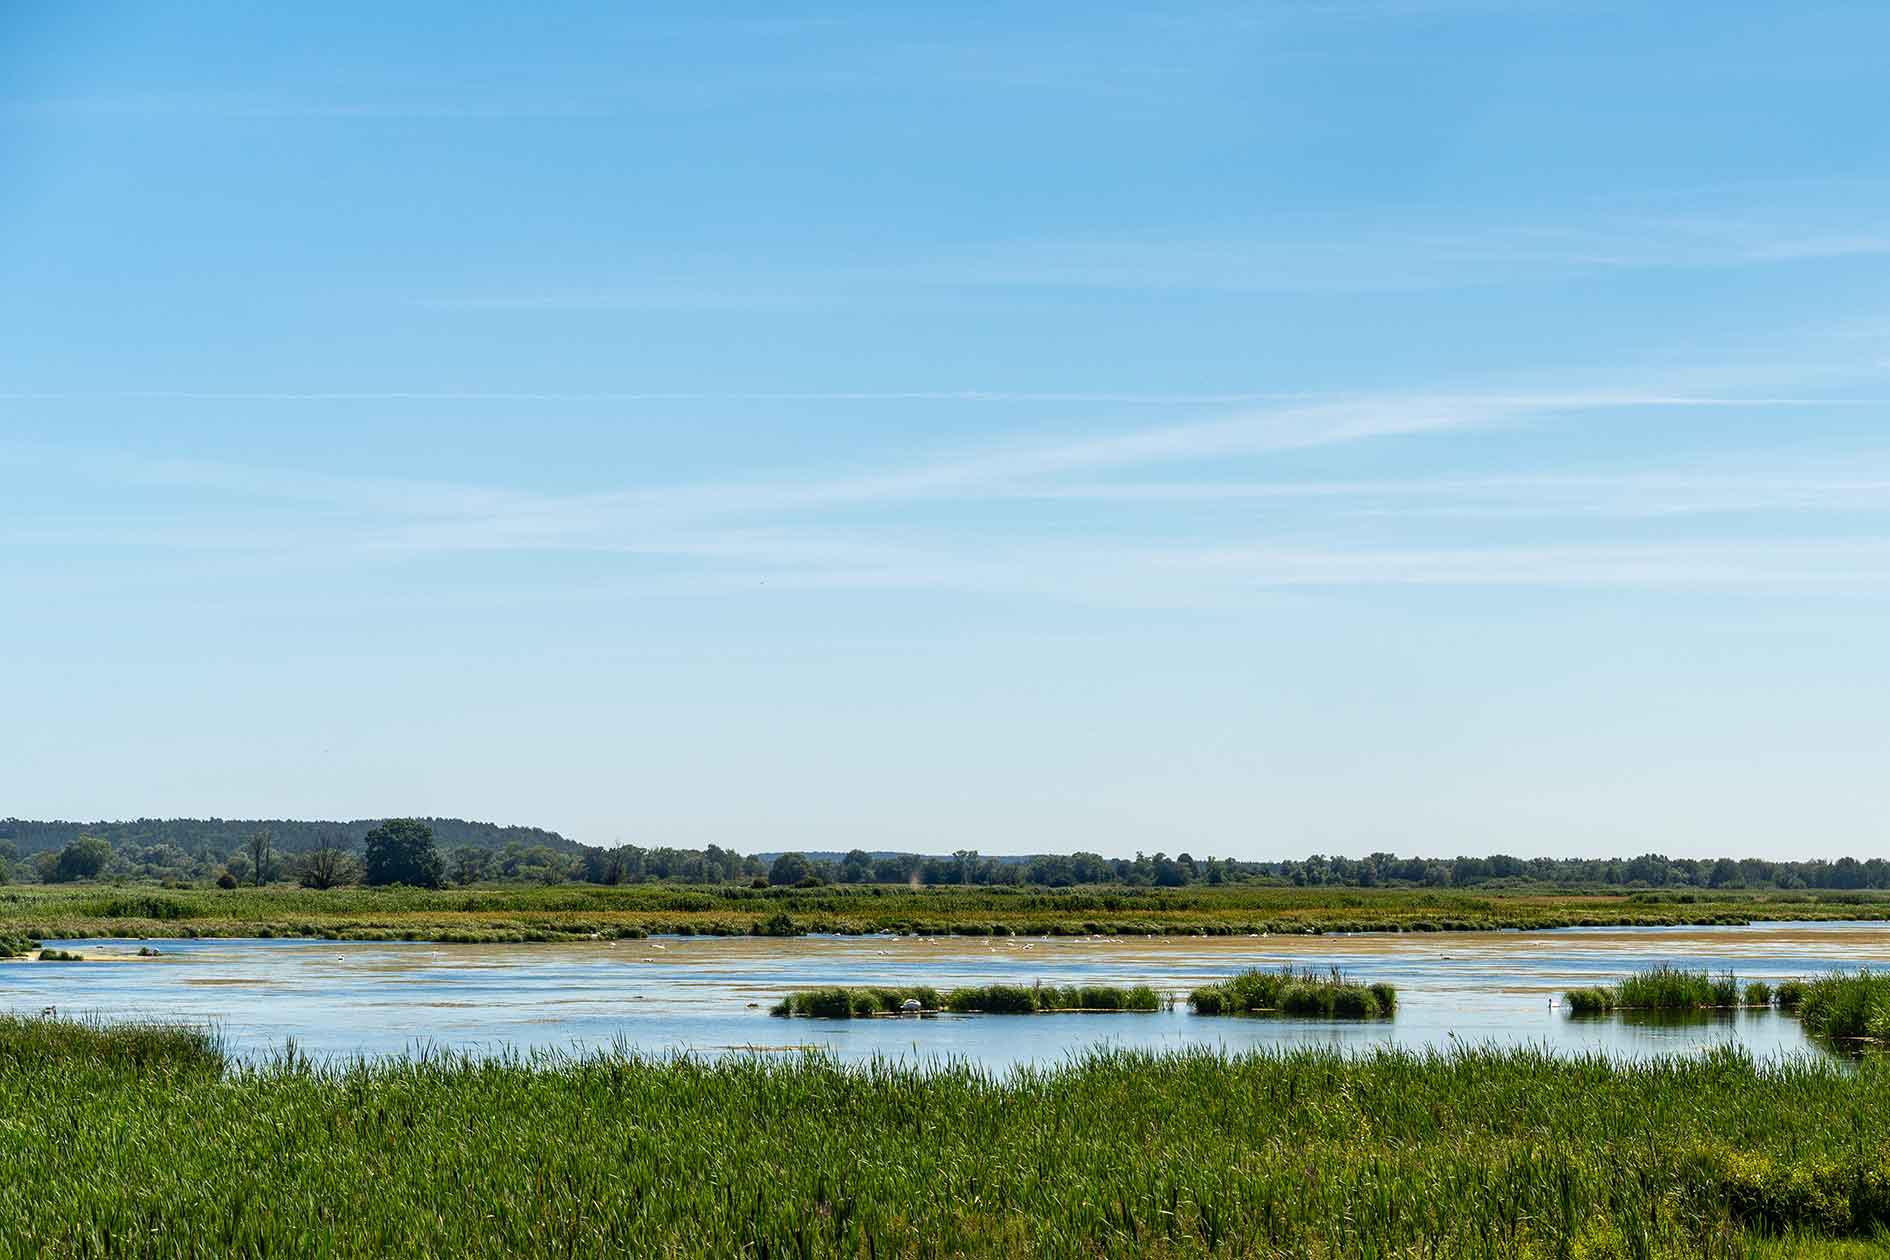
point(992, 999)
point(1290, 992)
point(1479, 1153)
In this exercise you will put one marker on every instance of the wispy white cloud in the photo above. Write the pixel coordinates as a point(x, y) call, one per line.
point(806, 531)
point(1421, 248)
point(1628, 494)
point(1231, 576)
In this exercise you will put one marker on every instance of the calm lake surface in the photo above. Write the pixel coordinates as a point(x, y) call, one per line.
point(710, 995)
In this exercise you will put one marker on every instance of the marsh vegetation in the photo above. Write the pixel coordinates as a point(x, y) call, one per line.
point(521, 913)
point(1470, 1154)
point(1842, 1005)
point(1286, 991)
point(838, 1002)
point(1667, 988)
point(1851, 1005)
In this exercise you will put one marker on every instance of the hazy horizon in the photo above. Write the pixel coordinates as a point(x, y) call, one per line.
point(1252, 430)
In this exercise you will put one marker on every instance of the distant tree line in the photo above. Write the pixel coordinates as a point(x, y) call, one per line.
point(1650, 870)
point(440, 852)
point(221, 835)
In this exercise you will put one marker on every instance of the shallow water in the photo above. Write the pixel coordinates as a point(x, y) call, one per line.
point(706, 994)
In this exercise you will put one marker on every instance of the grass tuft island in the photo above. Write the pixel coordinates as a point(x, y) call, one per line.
point(1309, 994)
point(1840, 1006)
point(1663, 988)
point(992, 999)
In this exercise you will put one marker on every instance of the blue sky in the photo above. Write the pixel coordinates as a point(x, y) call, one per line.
point(1248, 429)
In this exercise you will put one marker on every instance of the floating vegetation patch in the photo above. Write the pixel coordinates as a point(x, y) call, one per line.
point(1591, 1001)
point(1848, 1005)
point(991, 999)
point(1002, 999)
point(1309, 994)
point(1667, 988)
point(841, 1002)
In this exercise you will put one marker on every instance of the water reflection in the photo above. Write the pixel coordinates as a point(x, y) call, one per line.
point(709, 995)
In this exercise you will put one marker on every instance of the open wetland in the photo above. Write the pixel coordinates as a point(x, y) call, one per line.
point(712, 995)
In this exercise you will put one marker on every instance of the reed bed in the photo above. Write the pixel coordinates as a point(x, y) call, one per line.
point(1667, 988)
point(838, 1002)
point(80, 1047)
point(1590, 1001)
point(991, 999)
point(1309, 994)
point(16, 946)
point(1851, 1005)
point(1472, 1154)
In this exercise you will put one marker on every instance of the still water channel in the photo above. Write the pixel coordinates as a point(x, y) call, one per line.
point(710, 995)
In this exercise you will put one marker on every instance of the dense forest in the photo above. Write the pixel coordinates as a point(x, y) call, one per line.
point(323, 853)
point(221, 835)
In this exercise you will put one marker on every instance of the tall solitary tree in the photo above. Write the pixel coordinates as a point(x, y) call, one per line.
point(401, 851)
point(260, 844)
point(327, 865)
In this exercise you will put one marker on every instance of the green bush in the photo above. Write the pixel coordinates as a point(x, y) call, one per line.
point(780, 923)
point(1590, 1001)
